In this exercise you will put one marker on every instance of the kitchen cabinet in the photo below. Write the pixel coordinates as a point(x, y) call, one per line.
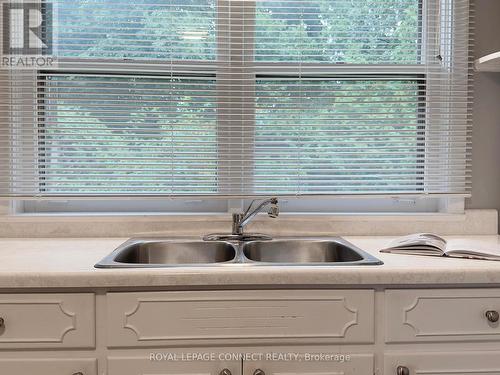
point(51, 320)
point(164, 364)
point(253, 361)
point(443, 363)
point(332, 332)
point(426, 315)
point(313, 363)
point(240, 317)
point(45, 366)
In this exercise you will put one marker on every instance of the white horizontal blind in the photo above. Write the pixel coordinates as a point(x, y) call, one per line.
point(243, 98)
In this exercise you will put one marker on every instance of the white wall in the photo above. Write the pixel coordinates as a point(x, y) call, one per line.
point(486, 115)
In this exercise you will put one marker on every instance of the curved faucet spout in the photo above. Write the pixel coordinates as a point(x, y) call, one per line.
point(241, 220)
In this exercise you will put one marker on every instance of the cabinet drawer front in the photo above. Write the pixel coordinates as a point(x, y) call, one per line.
point(160, 318)
point(54, 366)
point(47, 321)
point(441, 315)
point(143, 365)
point(356, 364)
point(467, 363)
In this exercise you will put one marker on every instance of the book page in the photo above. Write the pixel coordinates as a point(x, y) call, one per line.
point(429, 251)
point(419, 240)
point(473, 248)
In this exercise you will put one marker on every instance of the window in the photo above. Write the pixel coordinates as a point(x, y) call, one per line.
point(127, 129)
point(241, 98)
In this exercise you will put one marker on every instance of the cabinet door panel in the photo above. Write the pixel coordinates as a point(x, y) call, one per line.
point(145, 365)
point(441, 315)
point(339, 316)
point(47, 321)
point(467, 363)
point(352, 364)
point(45, 366)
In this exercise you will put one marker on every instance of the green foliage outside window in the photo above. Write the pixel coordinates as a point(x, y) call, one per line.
point(132, 121)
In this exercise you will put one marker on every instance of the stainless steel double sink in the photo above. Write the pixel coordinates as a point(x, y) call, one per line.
point(163, 252)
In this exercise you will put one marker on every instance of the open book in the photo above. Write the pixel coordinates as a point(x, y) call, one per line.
point(433, 245)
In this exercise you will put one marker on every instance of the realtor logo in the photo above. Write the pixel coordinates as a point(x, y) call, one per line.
point(27, 34)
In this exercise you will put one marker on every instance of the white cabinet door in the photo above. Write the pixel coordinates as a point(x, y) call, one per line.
point(311, 364)
point(163, 363)
point(47, 320)
point(46, 366)
point(240, 317)
point(425, 315)
point(466, 363)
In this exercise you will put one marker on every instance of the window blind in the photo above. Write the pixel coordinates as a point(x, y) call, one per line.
point(241, 98)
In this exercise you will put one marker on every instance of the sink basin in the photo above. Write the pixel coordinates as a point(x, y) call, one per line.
point(308, 251)
point(158, 253)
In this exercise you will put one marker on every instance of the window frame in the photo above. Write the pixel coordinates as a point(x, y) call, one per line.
point(389, 204)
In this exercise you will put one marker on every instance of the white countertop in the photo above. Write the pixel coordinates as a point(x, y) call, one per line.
point(69, 263)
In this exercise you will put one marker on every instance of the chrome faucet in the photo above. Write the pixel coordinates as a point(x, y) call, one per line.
point(242, 219)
